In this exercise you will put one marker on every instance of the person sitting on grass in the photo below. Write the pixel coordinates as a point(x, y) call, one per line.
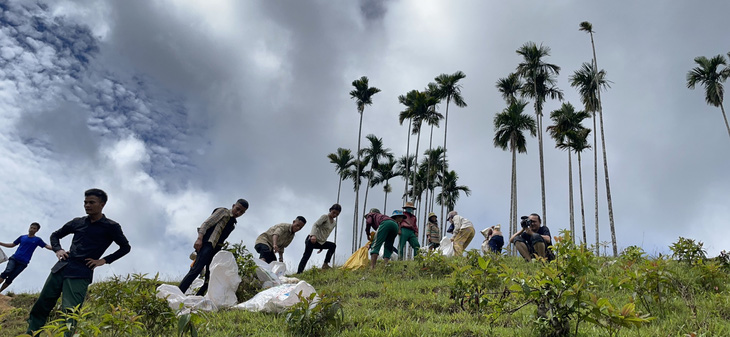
point(533, 239)
point(276, 238)
point(20, 260)
point(387, 231)
point(321, 230)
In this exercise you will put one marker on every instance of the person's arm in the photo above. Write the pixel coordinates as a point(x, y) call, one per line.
point(274, 238)
point(514, 236)
point(212, 220)
point(56, 237)
point(123, 249)
point(8, 245)
point(281, 256)
point(546, 237)
point(49, 247)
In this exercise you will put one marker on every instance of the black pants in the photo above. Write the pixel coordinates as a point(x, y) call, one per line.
point(265, 252)
point(205, 257)
point(309, 247)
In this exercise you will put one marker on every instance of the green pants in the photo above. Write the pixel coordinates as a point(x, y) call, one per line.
point(387, 231)
point(408, 235)
point(74, 292)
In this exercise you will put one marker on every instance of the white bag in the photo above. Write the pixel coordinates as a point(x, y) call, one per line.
point(224, 280)
point(267, 277)
point(178, 301)
point(485, 247)
point(277, 299)
point(278, 268)
point(3, 257)
point(447, 247)
point(393, 256)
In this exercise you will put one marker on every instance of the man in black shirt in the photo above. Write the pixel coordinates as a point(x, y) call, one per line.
point(73, 273)
point(533, 239)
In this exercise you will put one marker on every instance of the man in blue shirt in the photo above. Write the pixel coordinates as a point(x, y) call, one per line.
point(92, 235)
point(19, 261)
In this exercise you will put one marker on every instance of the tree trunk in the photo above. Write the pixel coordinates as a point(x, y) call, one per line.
point(415, 163)
point(443, 169)
point(570, 196)
point(542, 168)
point(725, 118)
point(582, 206)
point(357, 188)
point(385, 202)
point(339, 188)
point(595, 181)
point(364, 208)
point(603, 148)
point(513, 206)
point(408, 162)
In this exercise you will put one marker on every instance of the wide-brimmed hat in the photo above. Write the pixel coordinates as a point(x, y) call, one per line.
point(409, 205)
point(397, 213)
point(430, 215)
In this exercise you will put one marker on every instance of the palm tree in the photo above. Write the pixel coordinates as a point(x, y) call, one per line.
point(407, 100)
point(509, 87)
point(386, 171)
point(451, 191)
point(509, 126)
point(449, 89)
point(403, 166)
point(540, 84)
point(709, 76)
point(343, 161)
point(589, 84)
point(374, 154)
point(431, 167)
point(579, 143)
point(567, 124)
point(420, 107)
point(363, 95)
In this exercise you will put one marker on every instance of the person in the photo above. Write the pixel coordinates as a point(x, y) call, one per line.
point(387, 231)
point(71, 276)
point(433, 232)
point(276, 238)
point(533, 239)
point(463, 232)
point(408, 230)
point(321, 230)
point(20, 260)
point(212, 234)
point(495, 239)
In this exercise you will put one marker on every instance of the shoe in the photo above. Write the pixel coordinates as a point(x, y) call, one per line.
point(326, 266)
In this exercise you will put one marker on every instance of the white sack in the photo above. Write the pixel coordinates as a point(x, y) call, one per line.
point(277, 299)
point(224, 280)
point(485, 247)
point(197, 283)
point(447, 247)
point(267, 277)
point(178, 301)
point(393, 257)
point(278, 268)
point(3, 257)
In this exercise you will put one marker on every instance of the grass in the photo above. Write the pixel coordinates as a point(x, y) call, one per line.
point(405, 299)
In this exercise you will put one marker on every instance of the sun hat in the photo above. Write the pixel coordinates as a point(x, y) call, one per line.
point(409, 205)
point(451, 215)
point(397, 213)
point(430, 215)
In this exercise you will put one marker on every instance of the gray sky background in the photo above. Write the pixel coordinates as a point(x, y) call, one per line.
point(175, 108)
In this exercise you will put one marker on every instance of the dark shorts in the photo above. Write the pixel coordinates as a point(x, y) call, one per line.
point(265, 252)
point(530, 240)
point(12, 270)
point(496, 243)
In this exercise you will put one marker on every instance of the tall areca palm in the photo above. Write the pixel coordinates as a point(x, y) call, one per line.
point(451, 191)
point(375, 154)
point(449, 89)
point(509, 126)
point(408, 101)
point(363, 95)
point(540, 84)
point(510, 87)
point(710, 74)
point(421, 108)
point(403, 166)
point(567, 124)
point(385, 172)
point(343, 161)
point(579, 143)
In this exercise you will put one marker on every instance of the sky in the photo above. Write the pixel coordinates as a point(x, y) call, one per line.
point(175, 108)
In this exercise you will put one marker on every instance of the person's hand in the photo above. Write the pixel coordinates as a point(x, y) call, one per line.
point(276, 249)
point(91, 263)
point(281, 259)
point(61, 254)
point(452, 239)
point(319, 251)
point(198, 243)
point(312, 239)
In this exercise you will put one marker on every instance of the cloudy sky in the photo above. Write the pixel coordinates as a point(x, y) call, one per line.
point(177, 107)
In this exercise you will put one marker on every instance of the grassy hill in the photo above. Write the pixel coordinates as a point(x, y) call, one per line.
point(577, 294)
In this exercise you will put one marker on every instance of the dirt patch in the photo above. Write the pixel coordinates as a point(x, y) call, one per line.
point(5, 303)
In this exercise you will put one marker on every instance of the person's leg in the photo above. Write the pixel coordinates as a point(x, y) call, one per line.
point(459, 240)
point(538, 244)
point(405, 236)
point(14, 268)
point(45, 303)
point(524, 251)
point(373, 260)
point(413, 241)
point(265, 252)
point(469, 236)
point(330, 247)
point(205, 256)
point(308, 248)
point(391, 231)
point(380, 237)
point(74, 292)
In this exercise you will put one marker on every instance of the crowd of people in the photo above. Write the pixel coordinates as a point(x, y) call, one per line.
point(94, 233)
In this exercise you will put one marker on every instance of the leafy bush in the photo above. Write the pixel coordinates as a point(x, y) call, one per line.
point(120, 322)
point(312, 317)
point(688, 250)
point(478, 286)
point(652, 284)
point(632, 254)
point(250, 284)
point(612, 319)
point(433, 263)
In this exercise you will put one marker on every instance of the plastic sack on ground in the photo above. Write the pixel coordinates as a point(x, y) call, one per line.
point(278, 268)
point(267, 277)
point(277, 299)
point(393, 257)
point(3, 257)
point(360, 259)
point(178, 301)
point(199, 282)
point(224, 280)
point(447, 247)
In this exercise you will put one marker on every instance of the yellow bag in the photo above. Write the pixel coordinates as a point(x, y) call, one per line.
point(361, 258)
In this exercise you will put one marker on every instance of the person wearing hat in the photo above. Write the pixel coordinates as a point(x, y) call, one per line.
point(433, 232)
point(463, 232)
point(409, 230)
point(387, 230)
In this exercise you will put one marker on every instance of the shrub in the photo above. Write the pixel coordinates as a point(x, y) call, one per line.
point(312, 317)
point(688, 250)
point(632, 254)
point(433, 263)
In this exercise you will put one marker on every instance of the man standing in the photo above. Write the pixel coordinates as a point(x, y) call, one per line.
point(212, 234)
point(533, 239)
point(73, 273)
point(433, 232)
point(408, 230)
point(276, 238)
point(318, 238)
point(19, 261)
